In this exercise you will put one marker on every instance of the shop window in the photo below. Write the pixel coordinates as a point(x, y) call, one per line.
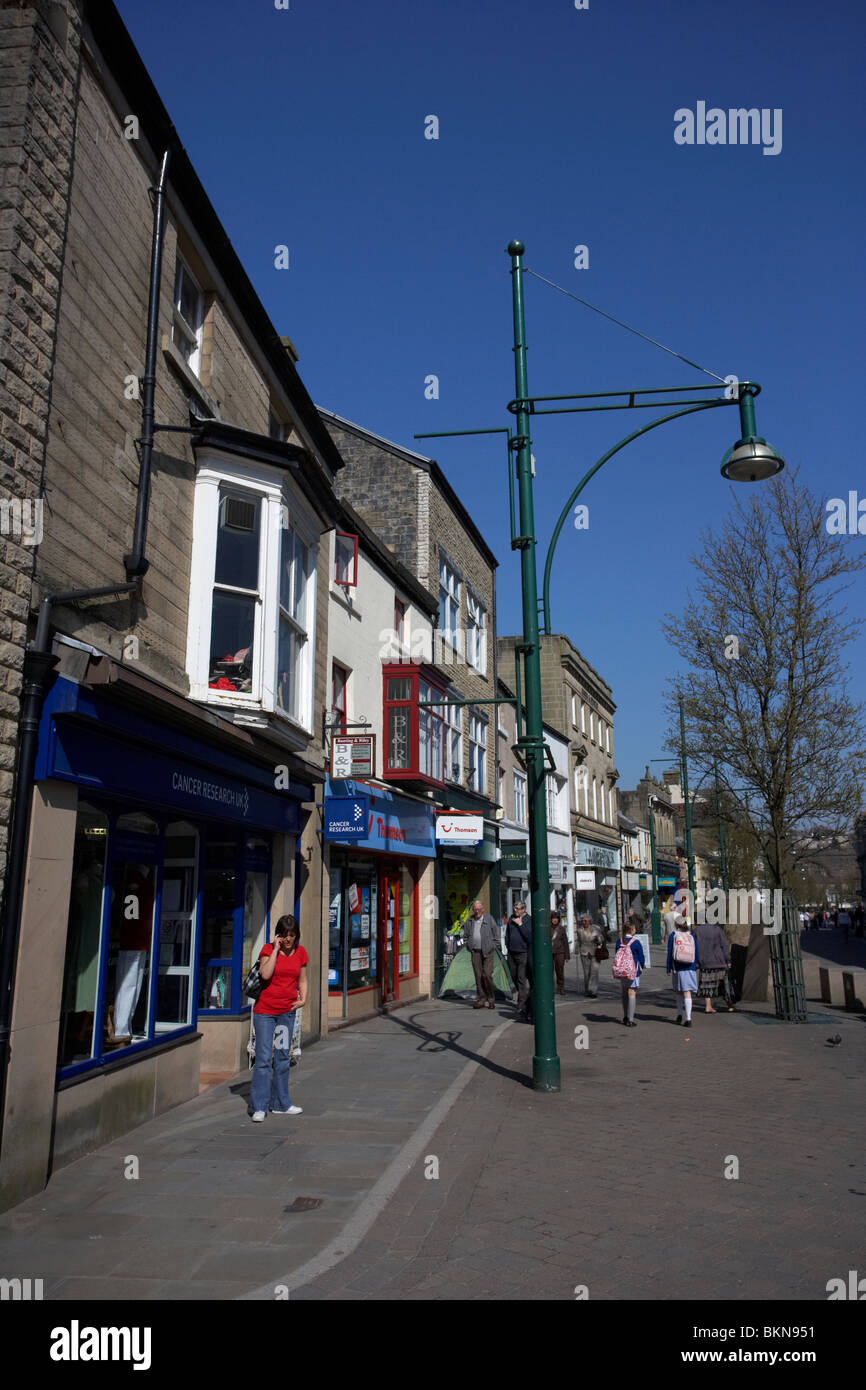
point(353, 927)
point(235, 897)
point(174, 994)
point(84, 936)
point(414, 737)
point(132, 888)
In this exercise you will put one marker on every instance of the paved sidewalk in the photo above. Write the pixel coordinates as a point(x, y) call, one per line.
point(617, 1183)
point(209, 1215)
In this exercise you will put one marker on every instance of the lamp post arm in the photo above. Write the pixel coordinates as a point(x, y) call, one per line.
point(663, 420)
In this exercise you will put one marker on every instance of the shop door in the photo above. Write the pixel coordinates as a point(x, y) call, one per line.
point(389, 937)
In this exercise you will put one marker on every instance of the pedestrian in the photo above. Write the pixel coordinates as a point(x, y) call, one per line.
point(481, 935)
point(283, 967)
point(627, 965)
point(601, 921)
point(560, 949)
point(669, 923)
point(518, 943)
point(589, 942)
point(715, 956)
point(683, 962)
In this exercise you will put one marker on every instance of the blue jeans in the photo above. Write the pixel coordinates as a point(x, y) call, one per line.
point(270, 1087)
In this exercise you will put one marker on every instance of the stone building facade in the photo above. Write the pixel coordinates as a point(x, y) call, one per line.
point(172, 790)
point(576, 700)
point(407, 500)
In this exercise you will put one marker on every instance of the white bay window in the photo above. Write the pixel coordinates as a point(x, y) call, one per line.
point(252, 592)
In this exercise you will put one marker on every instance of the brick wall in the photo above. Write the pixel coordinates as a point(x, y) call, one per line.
point(39, 54)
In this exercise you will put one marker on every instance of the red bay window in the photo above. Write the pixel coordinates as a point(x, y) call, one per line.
point(414, 737)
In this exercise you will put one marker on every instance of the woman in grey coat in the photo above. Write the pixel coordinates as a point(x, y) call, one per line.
point(587, 941)
point(714, 953)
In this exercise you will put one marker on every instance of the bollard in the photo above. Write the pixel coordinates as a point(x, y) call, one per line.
point(850, 997)
point(824, 977)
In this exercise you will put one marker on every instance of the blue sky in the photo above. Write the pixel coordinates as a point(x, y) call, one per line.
point(306, 127)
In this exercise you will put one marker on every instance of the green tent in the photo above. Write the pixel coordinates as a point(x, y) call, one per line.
point(460, 976)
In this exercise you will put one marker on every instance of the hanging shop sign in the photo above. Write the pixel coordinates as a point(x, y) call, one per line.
point(346, 817)
point(353, 755)
point(459, 829)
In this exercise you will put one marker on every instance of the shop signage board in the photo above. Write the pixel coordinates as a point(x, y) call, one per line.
point(353, 755)
point(513, 859)
point(346, 817)
point(459, 829)
point(598, 856)
point(394, 824)
point(584, 879)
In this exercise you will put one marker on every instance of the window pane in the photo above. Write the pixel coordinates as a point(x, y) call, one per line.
point(255, 919)
point(299, 608)
point(398, 737)
point(129, 952)
point(437, 748)
point(218, 923)
point(81, 972)
point(188, 298)
point(173, 991)
point(399, 689)
point(286, 682)
point(424, 740)
point(237, 553)
point(231, 643)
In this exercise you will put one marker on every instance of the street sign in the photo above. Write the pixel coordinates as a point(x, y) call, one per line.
point(353, 755)
point(346, 817)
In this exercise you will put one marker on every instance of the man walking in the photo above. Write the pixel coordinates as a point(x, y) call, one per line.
point(518, 943)
point(482, 934)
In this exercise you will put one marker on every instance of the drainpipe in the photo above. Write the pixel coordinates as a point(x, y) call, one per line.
point(135, 562)
point(39, 660)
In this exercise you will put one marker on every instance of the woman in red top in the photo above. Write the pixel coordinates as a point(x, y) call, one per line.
point(283, 967)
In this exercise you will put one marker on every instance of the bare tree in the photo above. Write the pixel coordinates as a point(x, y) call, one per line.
point(766, 693)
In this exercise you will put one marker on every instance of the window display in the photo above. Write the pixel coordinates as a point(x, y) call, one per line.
point(84, 933)
point(352, 927)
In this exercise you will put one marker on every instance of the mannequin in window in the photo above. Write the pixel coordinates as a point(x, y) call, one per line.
point(135, 909)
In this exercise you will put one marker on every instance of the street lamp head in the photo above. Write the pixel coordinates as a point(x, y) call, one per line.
point(752, 459)
point(515, 248)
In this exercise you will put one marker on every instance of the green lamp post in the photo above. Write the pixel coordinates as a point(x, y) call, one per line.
point(750, 460)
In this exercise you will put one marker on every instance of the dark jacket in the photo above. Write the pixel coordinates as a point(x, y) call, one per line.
point(489, 932)
point(518, 935)
point(713, 946)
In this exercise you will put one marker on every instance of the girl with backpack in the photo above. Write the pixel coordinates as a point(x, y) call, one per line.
point(627, 965)
point(683, 964)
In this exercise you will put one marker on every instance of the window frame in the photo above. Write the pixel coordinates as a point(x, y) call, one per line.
point(519, 784)
point(179, 322)
point(451, 597)
point(350, 581)
point(453, 730)
point(283, 511)
point(415, 673)
point(478, 724)
point(336, 708)
point(476, 632)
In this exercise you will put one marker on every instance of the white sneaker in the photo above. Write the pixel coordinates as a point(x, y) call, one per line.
point(259, 1115)
point(292, 1110)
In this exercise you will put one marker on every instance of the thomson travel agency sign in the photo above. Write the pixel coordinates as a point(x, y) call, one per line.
point(459, 830)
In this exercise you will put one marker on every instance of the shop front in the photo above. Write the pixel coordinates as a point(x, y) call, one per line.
point(464, 873)
point(166, 857)
point(514, 875)
point(561, 874)
point(595, 881)
point(381, 850)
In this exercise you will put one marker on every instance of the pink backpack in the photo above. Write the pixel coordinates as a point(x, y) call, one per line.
point(684, 949)
point(624, 965)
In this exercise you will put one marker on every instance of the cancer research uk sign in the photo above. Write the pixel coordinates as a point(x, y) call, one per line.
point(346, 817)
point(459, 830)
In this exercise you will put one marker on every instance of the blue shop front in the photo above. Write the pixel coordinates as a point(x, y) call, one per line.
point(175, 853)
point(381, 849)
